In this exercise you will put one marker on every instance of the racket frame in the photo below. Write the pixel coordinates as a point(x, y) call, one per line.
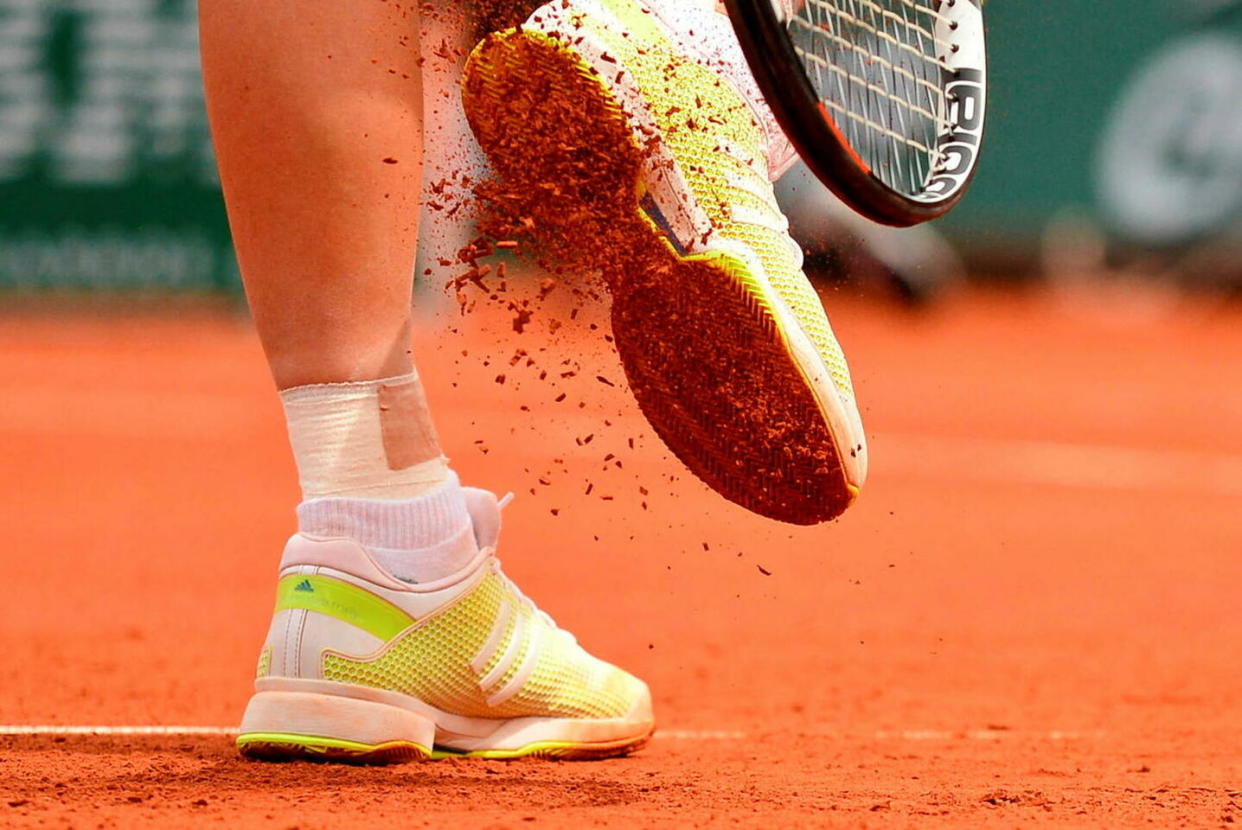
point(819, 141)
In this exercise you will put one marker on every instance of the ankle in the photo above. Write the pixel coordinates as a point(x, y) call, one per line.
point(367, 439)
point(419, 539)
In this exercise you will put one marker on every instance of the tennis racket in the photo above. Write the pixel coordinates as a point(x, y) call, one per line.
point(883, 99)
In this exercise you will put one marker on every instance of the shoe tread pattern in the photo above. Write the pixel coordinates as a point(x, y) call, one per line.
point(697, 339)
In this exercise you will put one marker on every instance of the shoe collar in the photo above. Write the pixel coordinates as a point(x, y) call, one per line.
point(484, 508)
point(347, 556)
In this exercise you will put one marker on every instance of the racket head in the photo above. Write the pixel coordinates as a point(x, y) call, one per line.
point(883, 99)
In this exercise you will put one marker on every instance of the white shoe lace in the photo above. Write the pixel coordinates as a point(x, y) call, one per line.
point(517, 592)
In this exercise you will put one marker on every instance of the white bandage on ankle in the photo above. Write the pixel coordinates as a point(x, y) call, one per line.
point(371, 439)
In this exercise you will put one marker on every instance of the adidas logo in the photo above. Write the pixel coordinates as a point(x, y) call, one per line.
point(304, 585)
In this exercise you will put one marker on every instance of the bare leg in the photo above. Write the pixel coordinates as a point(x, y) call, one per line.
point(316, 113)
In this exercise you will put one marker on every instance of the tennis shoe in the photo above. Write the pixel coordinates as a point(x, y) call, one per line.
point(631, 135)
point(361, 667)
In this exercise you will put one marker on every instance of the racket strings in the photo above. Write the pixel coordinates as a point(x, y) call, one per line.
point(922, 8)
point(878, 68)
point(933, 89)
point(879, 128)
point(901, 20)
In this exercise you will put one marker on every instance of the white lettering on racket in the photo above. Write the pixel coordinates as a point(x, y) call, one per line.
point(961, 27)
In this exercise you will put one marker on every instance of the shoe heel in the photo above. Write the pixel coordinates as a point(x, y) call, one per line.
point(282, 726)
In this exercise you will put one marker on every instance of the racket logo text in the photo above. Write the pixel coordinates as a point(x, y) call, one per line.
point(959, 145)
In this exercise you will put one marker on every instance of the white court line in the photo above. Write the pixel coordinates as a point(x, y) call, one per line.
point(983, 734)
point(14, 730)
point(700, 734)
point(56, 730)
point(18, 730)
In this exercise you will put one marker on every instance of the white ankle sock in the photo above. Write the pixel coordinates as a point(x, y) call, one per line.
point(371, 470)
point(421, 539)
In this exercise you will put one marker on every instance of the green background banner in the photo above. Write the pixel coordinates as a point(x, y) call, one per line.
point(1054, 71)
point(106, 173)
point(107, 180)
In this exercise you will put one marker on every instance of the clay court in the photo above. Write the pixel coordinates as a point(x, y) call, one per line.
point(1029, 619)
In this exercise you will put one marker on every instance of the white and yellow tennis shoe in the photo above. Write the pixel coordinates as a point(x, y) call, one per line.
point(631, 135)
point(359, 666)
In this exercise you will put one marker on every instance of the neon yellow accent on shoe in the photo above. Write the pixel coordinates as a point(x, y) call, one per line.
point(533, 669)
point(265, 662)
point(661, 163)
point(276, 746)
point(540, 749)
point(343, 601)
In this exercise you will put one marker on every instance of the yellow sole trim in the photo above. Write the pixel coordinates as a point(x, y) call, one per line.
point(281, 746)
point(277, 746)
point(563, 750)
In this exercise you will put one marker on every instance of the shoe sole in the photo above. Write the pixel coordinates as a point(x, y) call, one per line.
point(284, 747)
point(699, 335)
point(281, 725)
point(281, 746)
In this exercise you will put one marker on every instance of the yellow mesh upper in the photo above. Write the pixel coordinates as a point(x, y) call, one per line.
point(697, 112)
point(431, 661)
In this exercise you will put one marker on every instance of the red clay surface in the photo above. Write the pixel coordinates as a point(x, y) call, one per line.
point(1030, 619)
